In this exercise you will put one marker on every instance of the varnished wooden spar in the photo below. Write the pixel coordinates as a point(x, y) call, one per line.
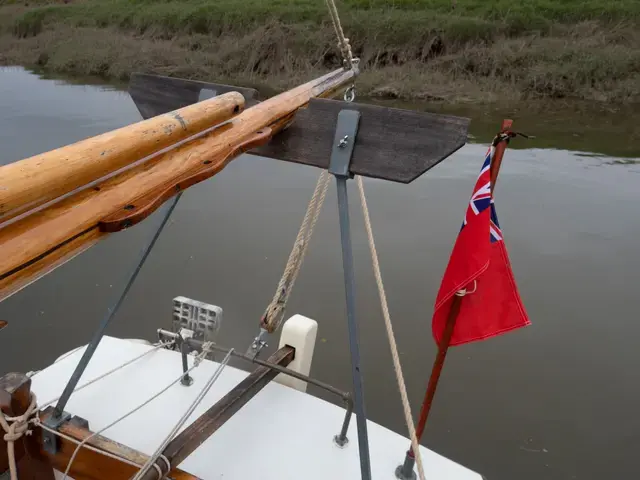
point(33, 181)
point(34, 245)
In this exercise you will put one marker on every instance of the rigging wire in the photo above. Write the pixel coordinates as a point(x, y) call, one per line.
point(196, 363)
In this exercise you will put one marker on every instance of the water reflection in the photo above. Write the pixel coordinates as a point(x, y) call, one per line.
point(534, 404)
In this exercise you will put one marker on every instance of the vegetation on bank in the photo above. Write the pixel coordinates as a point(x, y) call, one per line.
point(447, 50)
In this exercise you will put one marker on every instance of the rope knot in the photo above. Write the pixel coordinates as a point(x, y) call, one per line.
point(15, 428)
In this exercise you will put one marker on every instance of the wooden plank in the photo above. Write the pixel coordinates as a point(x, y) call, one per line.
point(155, 94)
point(31, 182)
point(195, 434)
point(91, 465)
point(392, 144)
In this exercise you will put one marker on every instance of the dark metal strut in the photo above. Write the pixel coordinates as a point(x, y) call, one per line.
point(58, 415)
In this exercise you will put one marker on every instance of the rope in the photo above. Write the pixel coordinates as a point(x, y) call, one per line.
point(158, 453)
point(100, 377)
point(406, 406)
point(14, 428)
point(206, 349)
point(36, 421)
point(274, 313)
point(343, 42)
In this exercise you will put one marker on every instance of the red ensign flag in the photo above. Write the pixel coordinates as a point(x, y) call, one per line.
point(480, 265)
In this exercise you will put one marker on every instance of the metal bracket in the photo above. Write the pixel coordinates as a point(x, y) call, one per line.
point(50, 440)
point(258, 344)
point(183, 335)
point(344, 142)
point(341, 153)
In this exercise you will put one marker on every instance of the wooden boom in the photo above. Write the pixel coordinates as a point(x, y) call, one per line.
point(34, 245)
point(33, 181)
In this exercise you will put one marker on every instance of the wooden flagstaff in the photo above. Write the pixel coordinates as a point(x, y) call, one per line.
point(34, 245)
point(33, 181)
point(447, 333)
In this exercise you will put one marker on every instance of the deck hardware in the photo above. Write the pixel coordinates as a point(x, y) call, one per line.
point(340, 439)
point(350, 93)
point(405, 471)
point(50, 440)
point(183, 335)
point(258, 343)
point(202, 319)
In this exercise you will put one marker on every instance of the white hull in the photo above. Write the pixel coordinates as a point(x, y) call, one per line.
point(282, 433)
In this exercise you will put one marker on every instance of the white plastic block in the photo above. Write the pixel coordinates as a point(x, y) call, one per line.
point(299, 332)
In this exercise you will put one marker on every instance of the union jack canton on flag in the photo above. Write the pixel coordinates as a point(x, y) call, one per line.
point(479, 264)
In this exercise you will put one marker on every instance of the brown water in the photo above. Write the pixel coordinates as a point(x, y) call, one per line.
point(557, 400)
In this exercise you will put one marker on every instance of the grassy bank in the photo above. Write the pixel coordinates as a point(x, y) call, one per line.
point(451, 51)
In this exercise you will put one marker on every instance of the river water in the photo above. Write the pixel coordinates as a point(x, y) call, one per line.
point(557, 400)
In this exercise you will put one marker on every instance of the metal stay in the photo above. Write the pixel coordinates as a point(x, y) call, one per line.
point(341, 153)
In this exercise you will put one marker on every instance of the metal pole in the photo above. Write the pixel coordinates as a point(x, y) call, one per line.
point(349, 283)
point(98, 334)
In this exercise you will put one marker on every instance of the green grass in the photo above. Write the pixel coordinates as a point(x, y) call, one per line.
point(469, 18)
point(462, 50)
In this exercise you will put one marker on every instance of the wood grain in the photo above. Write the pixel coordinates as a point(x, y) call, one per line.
point(155, 94)
point(392, 144)
point(41, 234)
point(90, 465)
point(33, 181)
point(141, 207)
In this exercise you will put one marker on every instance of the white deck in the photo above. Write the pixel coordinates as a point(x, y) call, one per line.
point(280, 434)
